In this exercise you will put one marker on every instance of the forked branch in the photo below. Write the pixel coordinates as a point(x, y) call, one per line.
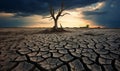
point(55, 16)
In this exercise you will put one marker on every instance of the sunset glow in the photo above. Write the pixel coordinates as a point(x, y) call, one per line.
point(75, 19)
point(95, 13)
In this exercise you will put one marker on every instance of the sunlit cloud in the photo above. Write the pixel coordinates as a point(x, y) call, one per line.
point(90, 12)
point(75, 19)
point(3, 15)
point(93, 7)
point(37, 21)
point(97, 6)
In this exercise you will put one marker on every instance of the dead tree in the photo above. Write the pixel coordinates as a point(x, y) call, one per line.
point(55, 16)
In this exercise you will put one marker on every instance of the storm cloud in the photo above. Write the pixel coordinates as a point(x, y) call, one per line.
point(39, 7)
point(94, 13)
point(108, 16)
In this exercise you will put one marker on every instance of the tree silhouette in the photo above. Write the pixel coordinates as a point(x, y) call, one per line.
point(56, 17)
point(87, 26)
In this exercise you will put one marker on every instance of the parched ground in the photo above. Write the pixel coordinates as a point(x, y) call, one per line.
point(79, 50)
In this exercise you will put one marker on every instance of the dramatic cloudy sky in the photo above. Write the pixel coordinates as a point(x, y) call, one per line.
point(30, 13)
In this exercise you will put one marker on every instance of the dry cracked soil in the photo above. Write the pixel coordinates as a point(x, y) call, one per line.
point(23, 49)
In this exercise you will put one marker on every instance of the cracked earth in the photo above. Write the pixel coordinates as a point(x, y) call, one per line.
point(78, 50)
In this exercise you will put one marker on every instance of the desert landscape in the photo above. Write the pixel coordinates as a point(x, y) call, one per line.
point(26, 49)
point(59, 35)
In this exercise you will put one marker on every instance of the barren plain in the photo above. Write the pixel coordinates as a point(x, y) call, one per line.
point(26, 49)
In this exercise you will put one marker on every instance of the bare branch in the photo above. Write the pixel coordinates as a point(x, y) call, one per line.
point(62, 6)
point(55, 16)
point(52, 12)
point(60, 10)
point(50, 19)
point(65, 14)
point(46, 17)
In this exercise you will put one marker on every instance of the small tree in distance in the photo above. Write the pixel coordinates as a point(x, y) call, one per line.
point(56, 16)
point(87, 26)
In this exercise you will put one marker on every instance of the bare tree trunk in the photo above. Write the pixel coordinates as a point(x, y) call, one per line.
point(55, 24)
point(56, 17)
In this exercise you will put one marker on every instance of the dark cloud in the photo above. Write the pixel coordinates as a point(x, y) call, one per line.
point(112, 19)
point(11, 22)
point(108, 16)
point(30, 7)
point(94, 13)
